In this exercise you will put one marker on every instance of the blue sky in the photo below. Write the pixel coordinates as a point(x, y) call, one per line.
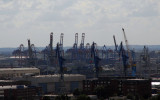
point(99, 19)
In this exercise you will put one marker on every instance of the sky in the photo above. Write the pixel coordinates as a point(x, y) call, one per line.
point(98, 19)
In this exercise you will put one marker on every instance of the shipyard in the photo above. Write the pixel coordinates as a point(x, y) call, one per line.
point(79, 50)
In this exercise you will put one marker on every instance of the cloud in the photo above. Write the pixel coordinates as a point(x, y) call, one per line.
point(101, 18)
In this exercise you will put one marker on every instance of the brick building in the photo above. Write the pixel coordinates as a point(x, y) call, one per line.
point(119, 86)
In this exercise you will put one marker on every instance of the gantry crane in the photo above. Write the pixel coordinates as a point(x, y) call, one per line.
point(82, 41)
point(31, 55)
point(75, 47)
point(81, 48)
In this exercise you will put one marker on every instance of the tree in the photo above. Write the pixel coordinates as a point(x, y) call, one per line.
point(62, 97)
point(46, 98)
point(83, 97)
point(76, 92)
point(101, 92)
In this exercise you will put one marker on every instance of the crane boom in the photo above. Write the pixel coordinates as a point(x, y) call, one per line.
point(115, 43)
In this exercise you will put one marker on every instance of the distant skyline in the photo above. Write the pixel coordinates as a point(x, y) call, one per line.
point(98, 19)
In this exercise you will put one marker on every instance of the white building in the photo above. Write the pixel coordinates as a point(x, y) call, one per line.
point(17, 72)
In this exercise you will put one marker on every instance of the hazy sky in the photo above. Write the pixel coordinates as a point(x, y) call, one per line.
point(99, 19)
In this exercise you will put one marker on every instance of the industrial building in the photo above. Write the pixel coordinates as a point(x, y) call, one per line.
point(17, 92)
point(17, 72)
point(51, 83)
point(119, 86)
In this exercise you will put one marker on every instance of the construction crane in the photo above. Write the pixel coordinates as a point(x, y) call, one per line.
point(94, 55)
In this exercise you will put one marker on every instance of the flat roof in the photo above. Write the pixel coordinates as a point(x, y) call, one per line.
point(12, 69)
point(58, 75)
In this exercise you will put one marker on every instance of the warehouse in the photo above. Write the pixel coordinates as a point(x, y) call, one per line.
point(17, 72)
point(51, 83)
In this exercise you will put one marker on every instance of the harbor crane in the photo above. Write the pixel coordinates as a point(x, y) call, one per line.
point(94, 55)
point(59, 56)
point(132, 62)
point(127, 47)
point(75, 47)
point(82, 41)
point(31, 54)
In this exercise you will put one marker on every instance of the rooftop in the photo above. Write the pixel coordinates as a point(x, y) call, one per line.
point(12, 69)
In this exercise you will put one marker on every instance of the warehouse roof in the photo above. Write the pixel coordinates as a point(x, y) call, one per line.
point(12, 69)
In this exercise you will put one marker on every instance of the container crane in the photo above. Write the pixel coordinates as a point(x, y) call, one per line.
point(87, 51)
point(30, 54)
point(61, 43)
point(75, 47)
point(105, 53)
point(51, 52)
point(82, 41)
point(94, 55)
point(81, 48)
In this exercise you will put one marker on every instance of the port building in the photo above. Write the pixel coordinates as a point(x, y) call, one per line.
point(51, 83)
point(17, 72)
